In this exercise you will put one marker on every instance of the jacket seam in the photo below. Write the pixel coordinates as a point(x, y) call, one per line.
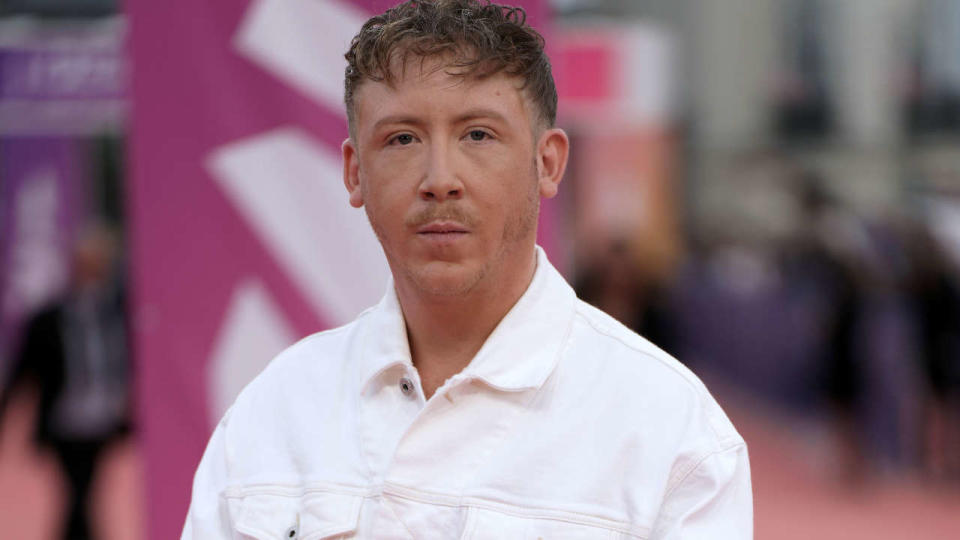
point(513, 509)
point(566, 516)
point(610, 334)
point(606, 331)
point(517, 510)
point(684, 476)
point(281, 490)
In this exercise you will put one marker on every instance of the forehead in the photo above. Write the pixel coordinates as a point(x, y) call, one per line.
point(429, 87)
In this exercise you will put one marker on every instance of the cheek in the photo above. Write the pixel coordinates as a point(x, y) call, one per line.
point(496, 169)
point(382, 206)
point(388, 181)
point(396, 171)
point(387, 210)
point(509, 184)
point(392, 160)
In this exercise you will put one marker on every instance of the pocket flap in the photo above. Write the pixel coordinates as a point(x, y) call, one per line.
point(305, 516)
point(329, 514)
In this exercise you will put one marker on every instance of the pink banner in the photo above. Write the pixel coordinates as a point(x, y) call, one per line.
point(242, 238)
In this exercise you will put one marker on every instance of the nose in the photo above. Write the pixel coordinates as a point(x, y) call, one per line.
point(440, 181)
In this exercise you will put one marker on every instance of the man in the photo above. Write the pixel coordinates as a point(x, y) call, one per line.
point(479, 398)
point(74, 352)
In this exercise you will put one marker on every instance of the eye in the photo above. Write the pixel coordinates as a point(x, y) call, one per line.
point(403, 139)
point(478, 135)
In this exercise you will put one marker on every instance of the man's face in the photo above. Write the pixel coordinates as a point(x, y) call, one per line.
point(448, 170)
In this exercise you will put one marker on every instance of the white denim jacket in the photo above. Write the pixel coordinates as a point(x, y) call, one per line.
point(565, 425)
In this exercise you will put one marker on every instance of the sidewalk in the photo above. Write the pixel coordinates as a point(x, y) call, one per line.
point(31, 484)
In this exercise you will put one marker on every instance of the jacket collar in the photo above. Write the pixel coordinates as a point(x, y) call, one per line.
point(520, 353)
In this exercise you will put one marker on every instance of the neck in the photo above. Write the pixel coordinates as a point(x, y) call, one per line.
point(446, 332)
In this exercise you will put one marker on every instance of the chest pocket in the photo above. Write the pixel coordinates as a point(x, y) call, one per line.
point(483, 524)
point(310, 516)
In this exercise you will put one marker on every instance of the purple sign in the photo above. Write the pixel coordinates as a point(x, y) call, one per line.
point(41, 203)
point(58, 84)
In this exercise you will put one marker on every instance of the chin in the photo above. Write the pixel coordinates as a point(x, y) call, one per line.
point(446, 279)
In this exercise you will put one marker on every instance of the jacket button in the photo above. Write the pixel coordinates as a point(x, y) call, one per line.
point(291, 533)
point(406, 386)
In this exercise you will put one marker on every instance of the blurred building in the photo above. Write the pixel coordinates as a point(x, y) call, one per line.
point(860, 91)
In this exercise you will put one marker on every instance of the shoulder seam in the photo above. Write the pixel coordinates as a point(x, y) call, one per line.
point(608, 333)
point(698, 389)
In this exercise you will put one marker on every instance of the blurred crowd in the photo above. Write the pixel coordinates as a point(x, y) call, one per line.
point(844, 319)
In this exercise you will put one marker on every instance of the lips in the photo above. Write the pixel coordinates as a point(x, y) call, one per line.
point(442, 228)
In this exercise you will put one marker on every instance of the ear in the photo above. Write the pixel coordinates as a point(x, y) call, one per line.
point(351, 172)
point(552, 150)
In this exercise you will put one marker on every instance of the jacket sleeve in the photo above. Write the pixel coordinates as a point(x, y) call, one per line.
point(714, 501)
point(208, 516)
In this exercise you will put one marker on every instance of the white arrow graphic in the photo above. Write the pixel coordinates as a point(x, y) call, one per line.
point(290, 191)
point(302, 43)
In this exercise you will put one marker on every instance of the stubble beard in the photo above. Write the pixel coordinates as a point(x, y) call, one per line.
point(517, 230)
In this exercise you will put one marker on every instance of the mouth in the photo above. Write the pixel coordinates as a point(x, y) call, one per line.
point(442, 228)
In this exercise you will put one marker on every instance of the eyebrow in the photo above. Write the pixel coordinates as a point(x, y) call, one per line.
point(397, 119)
point(472, 114)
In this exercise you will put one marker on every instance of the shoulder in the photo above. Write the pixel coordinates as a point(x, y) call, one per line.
point(647, 379)
point(276, 415)
point(624, 345)
point(316, 361)
point(320, 349)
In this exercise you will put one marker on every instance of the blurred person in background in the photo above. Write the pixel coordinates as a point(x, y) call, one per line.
point(822, 257)
point(936, 300)
point(75, 352)
point(615, 282)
